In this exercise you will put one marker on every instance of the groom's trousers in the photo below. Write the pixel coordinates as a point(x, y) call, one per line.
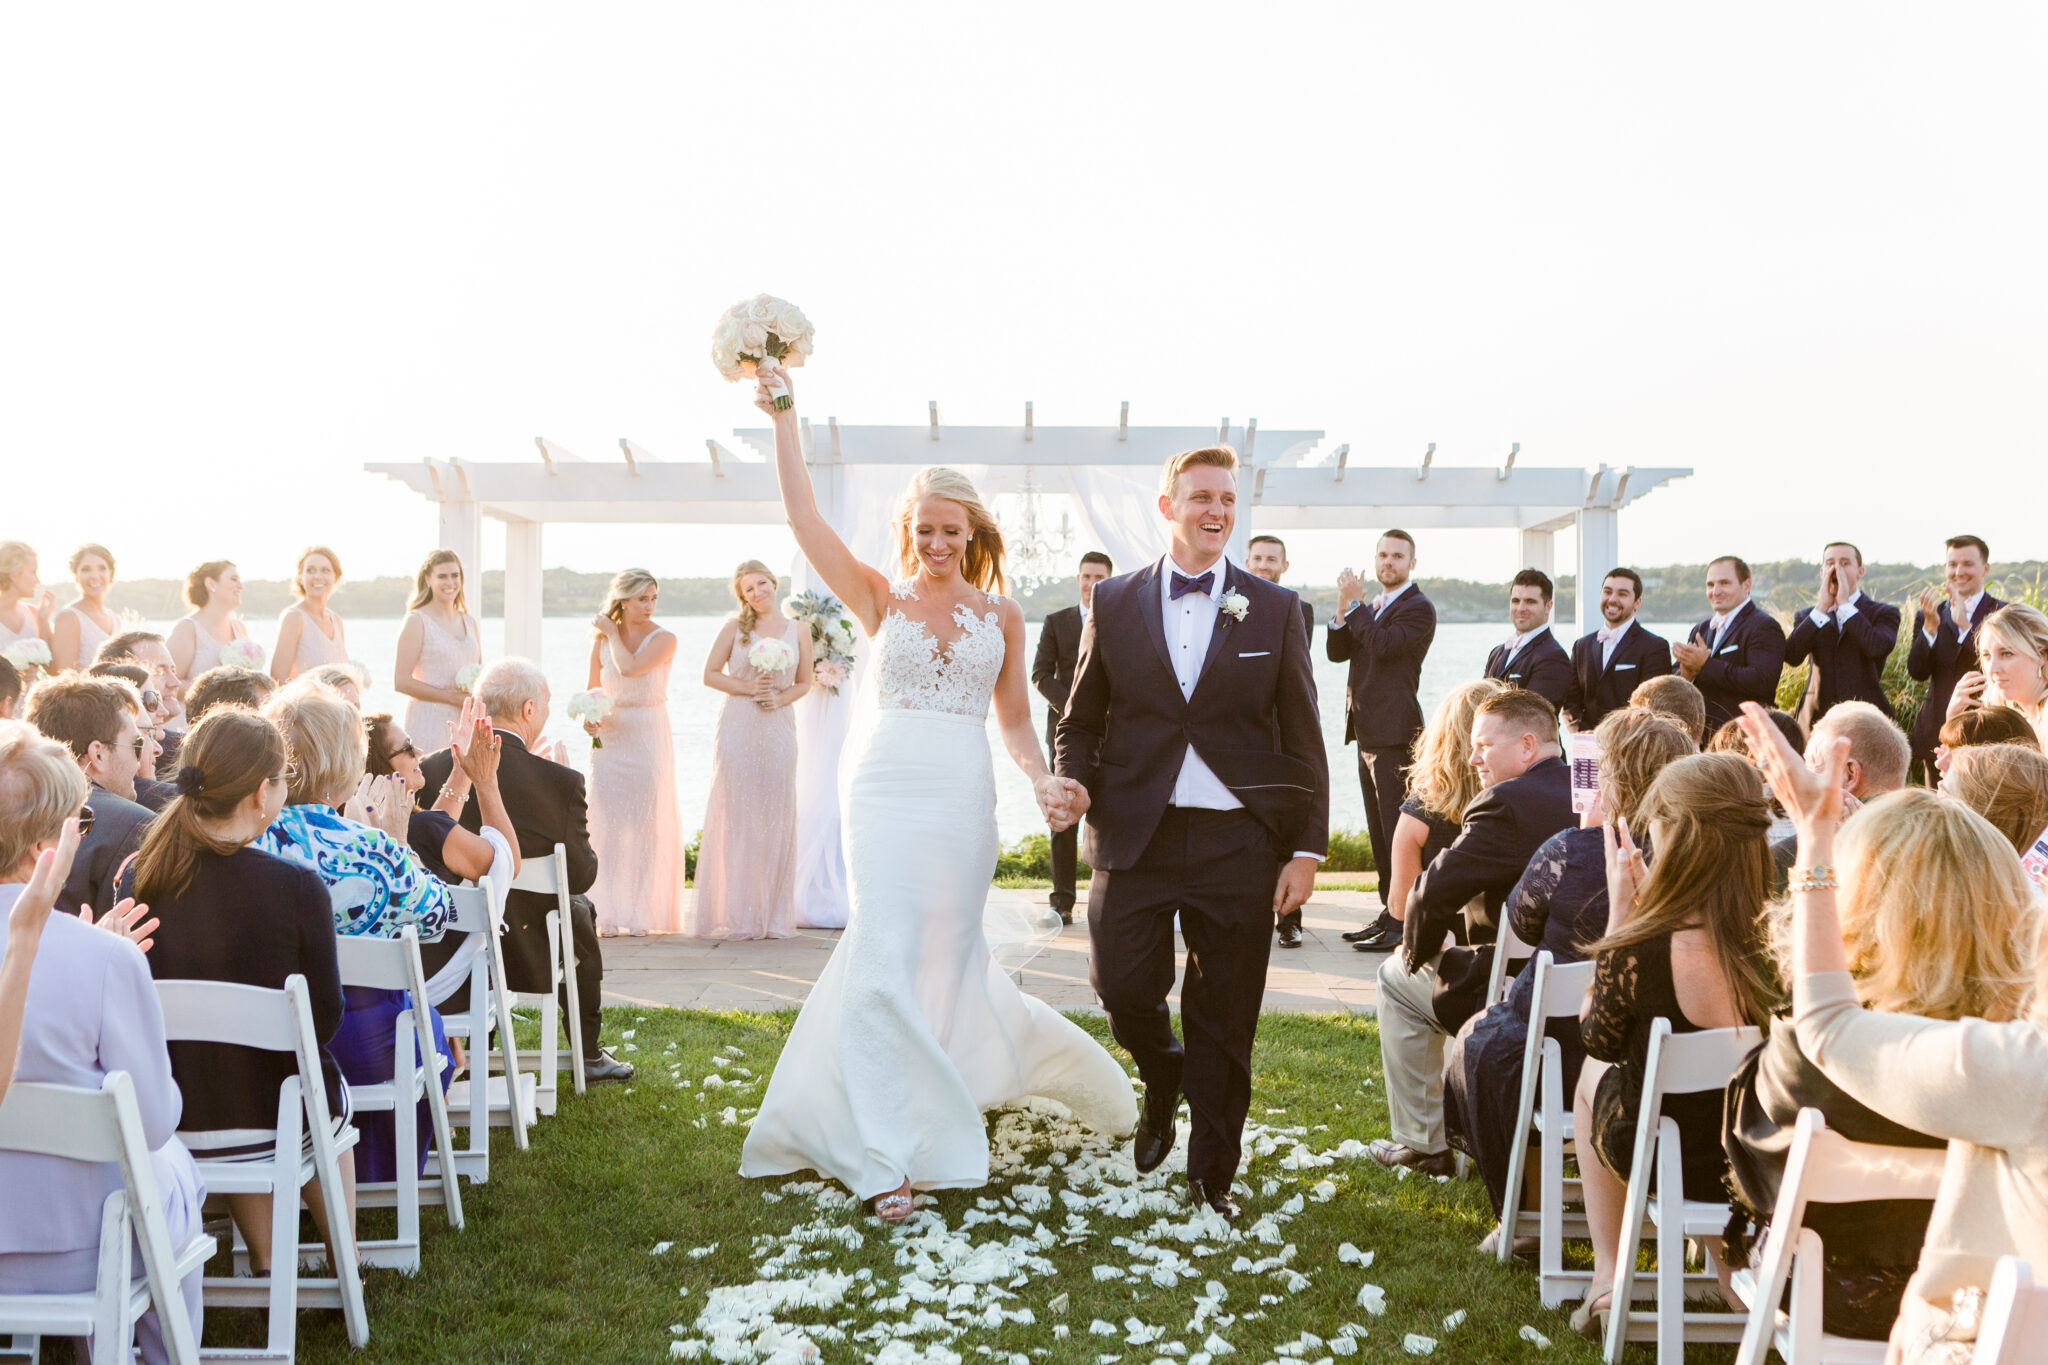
point(1217, 870)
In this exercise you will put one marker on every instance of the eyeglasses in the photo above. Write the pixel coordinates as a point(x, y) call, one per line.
point(290, 775)
point(85, 818)
point(138, 744)
point(151, 699)
point(406, 748)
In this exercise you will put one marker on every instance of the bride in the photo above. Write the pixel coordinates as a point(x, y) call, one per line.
point(912, 1030)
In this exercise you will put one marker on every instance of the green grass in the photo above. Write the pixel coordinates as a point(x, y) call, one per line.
point(555, 1264)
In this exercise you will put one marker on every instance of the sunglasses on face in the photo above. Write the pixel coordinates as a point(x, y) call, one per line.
point(151, 699)
point(402, 750)
point(85, 818)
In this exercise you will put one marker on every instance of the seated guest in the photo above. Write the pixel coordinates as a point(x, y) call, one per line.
point(1527, 799)
point(147, 649)
point(1558, 906)
point(1677, 698)
point(1983, 725)
point(336, 678)
point(1846, 635)
point(375, 884)
point(149, 791)
point(1441, 784)
point(1532, 658)
point(1736, 654)
point(10, 690)
point(91, 1011)
point(1609, 664)
point(546, 803)
point(1879, 753)
point(93, 717)
point(1980, 1084)
point(1684, 942)
point(227, 685)
point(2007, 784)
point(1945, 635)
point(233, 913)
point(2013, 654)
point(1731, 739)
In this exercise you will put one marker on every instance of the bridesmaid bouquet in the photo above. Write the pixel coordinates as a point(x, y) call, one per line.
point(591, 707)
point(466, 676)
point(831, 637)
point(755, 331)
point(242, 654)
point(30, 657)
point(772, 656)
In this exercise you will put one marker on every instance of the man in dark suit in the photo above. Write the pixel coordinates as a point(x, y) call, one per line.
point(1384, 639)
point(545, 800)
point(1527, 799)
point(1193, 747)
point(1533, 658)
point(1052, 673)
point(1610, 663)
point(1945, 637)
point(1736, 654)
point(95, 718)
point(1847, 635)
point(1266, 556)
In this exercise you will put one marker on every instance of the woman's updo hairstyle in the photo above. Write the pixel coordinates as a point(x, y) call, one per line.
point(196, 592)
point(229, 754)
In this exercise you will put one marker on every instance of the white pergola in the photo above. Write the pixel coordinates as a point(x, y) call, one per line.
point(1280, 489)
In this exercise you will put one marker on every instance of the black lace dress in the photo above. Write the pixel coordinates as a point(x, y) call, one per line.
point(1632, 988)
point(1559, 905)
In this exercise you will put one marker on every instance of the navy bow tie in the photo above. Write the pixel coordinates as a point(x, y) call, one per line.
point(1183, 585)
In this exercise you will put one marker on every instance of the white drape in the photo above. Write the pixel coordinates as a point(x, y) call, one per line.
point(1117, 508)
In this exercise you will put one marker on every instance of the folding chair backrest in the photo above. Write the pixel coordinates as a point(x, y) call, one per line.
point(250, 1016)
point(1685, 1063)
point(1839, 1171)
point(2015, 1319)
point(59, 1120)
point(1561, 989)
point(382, 964)
point(547, 876)
point(470, 908)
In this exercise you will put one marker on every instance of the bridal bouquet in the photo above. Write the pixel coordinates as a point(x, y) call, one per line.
point(591, 707)
point(831, 637)
point(29, 657)
point(772, 656)
point(242, 654)
point(466, 676)
point(757, 330)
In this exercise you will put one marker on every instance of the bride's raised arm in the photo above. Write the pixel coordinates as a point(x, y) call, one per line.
point(860, 587)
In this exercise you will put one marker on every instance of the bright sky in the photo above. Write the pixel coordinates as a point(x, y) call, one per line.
point(1796, 247)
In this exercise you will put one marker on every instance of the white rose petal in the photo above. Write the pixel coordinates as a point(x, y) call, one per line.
point(1416, 1344)
point(1530, 1334)
point(1373, 1299)
point(1454, 1321)
point(1344, 1346)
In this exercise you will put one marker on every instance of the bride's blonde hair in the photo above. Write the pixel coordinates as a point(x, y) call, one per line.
point(983, 565)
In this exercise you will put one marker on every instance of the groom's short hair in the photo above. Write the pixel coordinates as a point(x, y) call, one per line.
point(1221, 457)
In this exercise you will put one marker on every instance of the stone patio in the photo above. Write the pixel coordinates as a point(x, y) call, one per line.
point(1323, 976)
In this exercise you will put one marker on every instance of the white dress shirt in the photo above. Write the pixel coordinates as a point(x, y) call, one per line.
point(1969, 617)
point(1609, 637)
point(1841, 613)
point(1515, 643)
point(1718, 622)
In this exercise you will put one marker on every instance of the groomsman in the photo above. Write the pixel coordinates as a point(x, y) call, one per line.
point(1052, 673)
point(1736, 654)
point(1945, 636)
point(1266, 556)
point(1532, 658)
point(1608, 664)
point(1384, 639)
point(1847, 636)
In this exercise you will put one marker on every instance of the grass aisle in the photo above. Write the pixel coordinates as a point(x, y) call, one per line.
point(556, 1263)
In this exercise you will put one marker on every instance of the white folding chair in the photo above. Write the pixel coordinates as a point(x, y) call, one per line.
point(103, 1125)
point(1823, 1168)
point(487, 1100)
point(1560, 989)
point(276, 1021)
point(549, 876)
point(393, 964)
point(1508, 949)
point(2015, 1320)
point(1678, 1064)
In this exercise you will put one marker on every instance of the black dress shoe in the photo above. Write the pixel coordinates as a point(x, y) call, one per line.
point(1382, 941)
point(1379, 926)
point(1217, 1197)
point(1156, 1130)
point(1290, 936)
point(605, 1067)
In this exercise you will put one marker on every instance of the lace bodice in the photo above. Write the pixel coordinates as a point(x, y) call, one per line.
point(913, 673)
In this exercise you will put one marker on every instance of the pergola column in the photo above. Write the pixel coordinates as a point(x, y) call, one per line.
point(522, 589)
point(1599, 552)
point(462, 530)
point(1537, 549)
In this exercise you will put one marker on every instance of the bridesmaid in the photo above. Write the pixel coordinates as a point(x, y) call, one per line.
point(308, 634)
point(81, 628)
point(438, 640)
point(23, 615)
point(214, 592)
point(746, 870)
point(633, 821)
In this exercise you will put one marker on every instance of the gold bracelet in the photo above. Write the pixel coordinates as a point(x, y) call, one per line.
point(1818, 877)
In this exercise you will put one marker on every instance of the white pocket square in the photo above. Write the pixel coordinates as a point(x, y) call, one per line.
point(1619, 667)
point(1729, 649)
point(1257, 654)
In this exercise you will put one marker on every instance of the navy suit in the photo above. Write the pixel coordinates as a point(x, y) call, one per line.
point(1744, 665)
point(1848, 656)
point(1381, 711)
point(1598, 687)
point(1939, 665)
point(1052, 673)
point(1539, 665)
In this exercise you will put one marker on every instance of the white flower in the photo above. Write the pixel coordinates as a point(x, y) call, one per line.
point(593, 705)
point(1237, 604)
point(29, 653)
point(769, 655)
point(466, 676)
point(753, 339)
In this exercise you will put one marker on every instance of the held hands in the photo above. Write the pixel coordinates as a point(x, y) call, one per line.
point(1814, 800)
point(1297, 880)
point(1062, 801)
point(1969, 693)
point(765, 692)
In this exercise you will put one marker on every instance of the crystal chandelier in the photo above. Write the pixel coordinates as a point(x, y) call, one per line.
point(1034, 548)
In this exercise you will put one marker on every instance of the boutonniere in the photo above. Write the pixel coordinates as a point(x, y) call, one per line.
point(1237, 605)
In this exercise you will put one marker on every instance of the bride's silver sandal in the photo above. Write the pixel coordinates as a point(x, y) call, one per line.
point(896, 1207)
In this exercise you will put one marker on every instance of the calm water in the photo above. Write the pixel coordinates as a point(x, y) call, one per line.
point(1458, 654)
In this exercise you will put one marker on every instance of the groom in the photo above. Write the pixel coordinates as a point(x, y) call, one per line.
point(1191, 742)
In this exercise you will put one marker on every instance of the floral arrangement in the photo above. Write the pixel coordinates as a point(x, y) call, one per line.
point(242, 654)
point(466, 676)
point(769, 655)
point(831, 636)
point(756, 330)
point(591, 707)
point(29, 657)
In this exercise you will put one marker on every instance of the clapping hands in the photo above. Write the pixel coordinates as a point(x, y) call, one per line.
point(382, 803)
point(1626, 871)
point(476, 744)
point(1062, 800)
point(1350, 591)
point(1815, 801)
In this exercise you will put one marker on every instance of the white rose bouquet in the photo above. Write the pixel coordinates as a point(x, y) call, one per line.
point(831, 637)
point(590, 707)
point(755, 331)
point(769, 655)
point(29, 657)
point(242, 654)
point(466, 676)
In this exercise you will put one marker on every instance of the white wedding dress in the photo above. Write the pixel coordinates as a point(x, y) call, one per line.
point(913, 1031)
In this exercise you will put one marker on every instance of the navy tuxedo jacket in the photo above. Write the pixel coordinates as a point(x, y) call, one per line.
point(1385, 654)
point(1939, 665)
point(1539, 665)
point(1252, 718)
point(1744, 667)
point(1052, 670)
point(1848, 657)
point(1503, 828)
point(1599, 688)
